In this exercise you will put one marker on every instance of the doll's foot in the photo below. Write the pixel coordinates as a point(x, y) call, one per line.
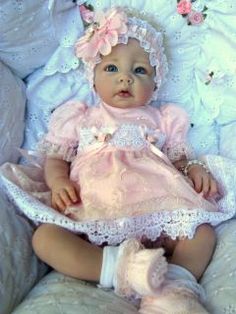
point(172, 300)
point(139, 271)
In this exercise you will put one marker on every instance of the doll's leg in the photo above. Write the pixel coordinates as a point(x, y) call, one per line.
point(195, 254)
point(67, 253)
point(112, 266)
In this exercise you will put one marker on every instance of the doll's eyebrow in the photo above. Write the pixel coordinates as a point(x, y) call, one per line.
point(111, 60)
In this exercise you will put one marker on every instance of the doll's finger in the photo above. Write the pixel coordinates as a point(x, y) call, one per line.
point(65, 198)
point(60, 204)
point(213, 187)
point(198, 184)
point(205, 184)
point(57, 202)
point(57, 208)
point(72, 194)
point(54, 205)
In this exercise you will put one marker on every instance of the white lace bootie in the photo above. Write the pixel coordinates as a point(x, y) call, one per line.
point(139, 271)
point(180, 294)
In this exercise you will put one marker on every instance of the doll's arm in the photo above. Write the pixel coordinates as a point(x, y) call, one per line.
point(199, 175)
point(64, 191)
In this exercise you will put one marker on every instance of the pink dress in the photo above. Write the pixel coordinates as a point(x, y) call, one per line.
point(122, 161)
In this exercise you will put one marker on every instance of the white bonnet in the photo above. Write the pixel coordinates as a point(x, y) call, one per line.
point(114, 27)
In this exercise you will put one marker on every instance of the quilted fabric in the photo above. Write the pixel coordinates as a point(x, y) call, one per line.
point(12, 104)
point(29, 32)
point(19, 267)
point(57, 293)
point(219, 280)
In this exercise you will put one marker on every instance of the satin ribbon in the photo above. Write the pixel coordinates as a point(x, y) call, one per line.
point(159, 153)
point(98, 146)
point(153, 148)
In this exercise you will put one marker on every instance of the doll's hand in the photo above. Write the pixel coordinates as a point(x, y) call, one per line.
point(203, 181)
point(64, 193)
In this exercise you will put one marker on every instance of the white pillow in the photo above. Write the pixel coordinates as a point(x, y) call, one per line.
point(28, 37)
point(12, 108)
point(45, 93)
point(227, 142)
point(57, 293)
point(219, 279)
point(19, 267)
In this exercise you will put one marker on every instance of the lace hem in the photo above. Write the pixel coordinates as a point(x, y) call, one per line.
point(180, 222)
point(63, 60)
point(67, 29)
point(177, 151)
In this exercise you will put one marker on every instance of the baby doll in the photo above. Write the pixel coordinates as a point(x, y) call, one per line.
point(121, 174)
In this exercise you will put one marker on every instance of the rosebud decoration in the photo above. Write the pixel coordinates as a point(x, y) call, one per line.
point(185, 8)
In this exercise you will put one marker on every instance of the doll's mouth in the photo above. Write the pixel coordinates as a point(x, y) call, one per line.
point(124, 94)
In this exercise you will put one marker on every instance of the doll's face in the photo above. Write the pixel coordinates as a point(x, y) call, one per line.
point(125, 78)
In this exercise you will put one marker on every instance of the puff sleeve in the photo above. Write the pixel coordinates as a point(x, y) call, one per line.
point(174, 123)
point(62, 138)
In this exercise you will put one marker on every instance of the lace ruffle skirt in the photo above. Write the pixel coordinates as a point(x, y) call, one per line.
point(126, 201)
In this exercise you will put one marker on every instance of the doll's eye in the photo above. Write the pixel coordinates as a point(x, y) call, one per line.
point(111, 68)
point(140, 70)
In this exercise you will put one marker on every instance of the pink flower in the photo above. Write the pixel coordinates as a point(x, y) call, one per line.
point(151, 139)
point(103, 137)
point(195, 17)
point(184, 7)
point(102, 35)
point(86, 14)
point(152, 136)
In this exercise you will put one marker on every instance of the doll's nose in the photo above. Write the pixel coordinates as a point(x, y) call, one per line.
point(125, 78)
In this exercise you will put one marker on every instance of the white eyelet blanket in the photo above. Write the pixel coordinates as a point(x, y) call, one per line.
point(36, 41)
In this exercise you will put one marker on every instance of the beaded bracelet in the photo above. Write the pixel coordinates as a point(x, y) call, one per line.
point(190, 163)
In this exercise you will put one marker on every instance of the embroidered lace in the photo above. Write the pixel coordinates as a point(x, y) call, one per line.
point(129, 136)
point(66, 151)
point(180, 222)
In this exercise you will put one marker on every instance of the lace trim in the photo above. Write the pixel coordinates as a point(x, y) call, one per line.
point(67, 151)
point(63, 59)
point(180, 222)
point(179, 150)
point(126, 135)
point(152, 42)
